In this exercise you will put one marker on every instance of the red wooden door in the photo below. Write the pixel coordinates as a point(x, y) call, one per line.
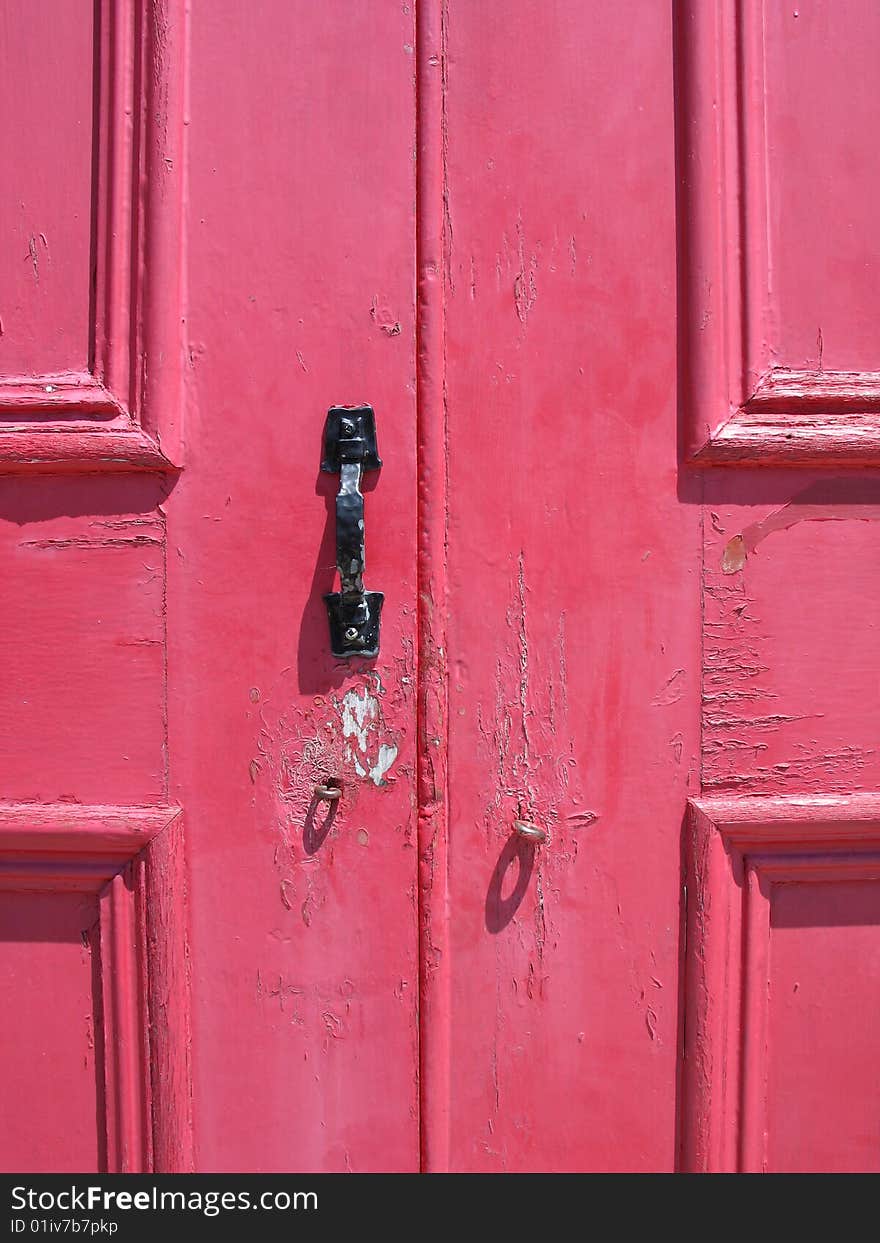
point(607, 276)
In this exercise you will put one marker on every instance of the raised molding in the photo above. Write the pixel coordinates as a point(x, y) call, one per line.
point(132, 859)
point(125, 412)
point(738, 405)
point(735, 850)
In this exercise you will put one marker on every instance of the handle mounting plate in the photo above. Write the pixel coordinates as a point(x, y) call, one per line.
point(350, 436)
point(354, 623)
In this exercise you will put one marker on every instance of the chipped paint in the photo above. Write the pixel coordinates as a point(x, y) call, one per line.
point(833, 500)
point(671, 691)
point(342, 738)
point(359, 711)
point(363, 728)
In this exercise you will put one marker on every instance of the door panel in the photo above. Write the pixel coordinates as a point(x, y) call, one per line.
point(826, 255)
point(46, 222)
point(573, 589)
point(779, 367)
point(83, 640)
point(303, 921)
point(48, 1033)
point(782, 909)
point(823, 1028)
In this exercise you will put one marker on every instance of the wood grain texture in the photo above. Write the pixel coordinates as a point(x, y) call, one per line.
point(791, 436)
point(790, 590)
point(79, 448)
point(71, 829)
point(67, 394)
point(855, 393)
point(164, 889)
point(821, 819)
point(126, 1079)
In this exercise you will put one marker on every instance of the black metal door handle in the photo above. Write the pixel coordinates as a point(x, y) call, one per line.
point(350, 449)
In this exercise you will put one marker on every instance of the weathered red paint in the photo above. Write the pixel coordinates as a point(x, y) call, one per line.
point(562, 250)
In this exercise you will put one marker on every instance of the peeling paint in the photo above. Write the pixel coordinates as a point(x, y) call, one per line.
point(342, 738)
point(671, 691)
point(525, 287)
point(384, 318)
point(363, 728)
point(748, 744)
point(532, 773)
point(834, 500)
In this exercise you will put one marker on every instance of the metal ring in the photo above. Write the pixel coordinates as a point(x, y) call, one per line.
point(531, 832)
point(329, 793)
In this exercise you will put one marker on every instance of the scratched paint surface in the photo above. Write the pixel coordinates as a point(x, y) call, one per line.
point(784, 706)
point(573, 619)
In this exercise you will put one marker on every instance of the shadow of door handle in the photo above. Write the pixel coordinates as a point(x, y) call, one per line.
point(350, 449)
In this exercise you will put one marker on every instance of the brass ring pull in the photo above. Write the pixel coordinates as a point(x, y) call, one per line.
point(531, 832)
point(328, 793)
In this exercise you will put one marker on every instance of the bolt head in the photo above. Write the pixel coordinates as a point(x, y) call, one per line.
point(351, 633)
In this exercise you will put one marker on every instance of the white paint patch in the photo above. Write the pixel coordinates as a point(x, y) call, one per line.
point(362, 728)
point(387, 756)
point(360, 713)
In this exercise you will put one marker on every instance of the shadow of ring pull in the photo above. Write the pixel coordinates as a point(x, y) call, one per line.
point(350, 449)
